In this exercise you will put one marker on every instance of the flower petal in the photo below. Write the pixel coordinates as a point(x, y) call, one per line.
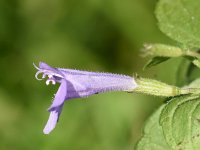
point(43, 66)
point(53, 119)
point(60, 95)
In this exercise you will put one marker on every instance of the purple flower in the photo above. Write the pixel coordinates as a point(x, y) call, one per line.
point(75, 84)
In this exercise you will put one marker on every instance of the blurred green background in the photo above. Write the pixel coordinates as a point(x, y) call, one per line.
point(94, 35)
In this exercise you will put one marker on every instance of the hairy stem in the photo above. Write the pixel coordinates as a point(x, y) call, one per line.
point(157, 88)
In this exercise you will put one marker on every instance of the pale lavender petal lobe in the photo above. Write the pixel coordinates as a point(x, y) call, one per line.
point(60, 95)
point(52, 121)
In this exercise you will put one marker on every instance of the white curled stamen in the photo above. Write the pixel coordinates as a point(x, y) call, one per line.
point(53, 82)
point(36, 67)
point(50, 80)
point(44, 76)
point(46, 73)
point(50, 76)
point(47, 82)
point(37, 73)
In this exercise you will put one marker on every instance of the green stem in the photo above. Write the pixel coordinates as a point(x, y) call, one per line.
point(192, 54)
point(157, 88)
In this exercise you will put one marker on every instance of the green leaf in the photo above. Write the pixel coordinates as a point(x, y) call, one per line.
point(155, 61)
point(195, 83)
point(153, 138)
point(196, 62)
point(180, 122)
point(188, 70)
point(175, 125)
point(180, 20)
point(183, 72)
